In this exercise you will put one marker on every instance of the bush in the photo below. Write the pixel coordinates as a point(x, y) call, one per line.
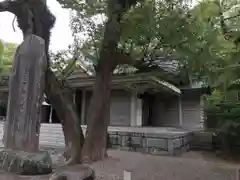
point(224, 116)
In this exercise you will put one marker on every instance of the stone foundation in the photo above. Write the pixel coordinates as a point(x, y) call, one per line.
point(24, 163)
point(152, 143)
point(160, 141)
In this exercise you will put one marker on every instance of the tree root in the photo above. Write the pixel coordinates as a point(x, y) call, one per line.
point(71, 157)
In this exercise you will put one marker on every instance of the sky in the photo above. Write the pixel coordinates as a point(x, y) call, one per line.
point(61, 34)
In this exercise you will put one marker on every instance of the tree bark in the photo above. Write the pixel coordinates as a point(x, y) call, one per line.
point(98, 119)
point(66, 111)
point(42, 22)
point(95, 146)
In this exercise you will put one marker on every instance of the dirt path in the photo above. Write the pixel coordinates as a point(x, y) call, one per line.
point(145, 167)
point(191, 166)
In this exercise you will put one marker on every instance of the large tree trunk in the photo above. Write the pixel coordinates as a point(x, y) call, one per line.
point(99, 113)
point(98, 118)
point(95, 146)
point(34, 17)
point(66, 111)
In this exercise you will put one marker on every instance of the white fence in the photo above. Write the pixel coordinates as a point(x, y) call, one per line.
point(51, 135)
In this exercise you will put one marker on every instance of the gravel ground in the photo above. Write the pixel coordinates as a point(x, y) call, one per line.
point(146, 167)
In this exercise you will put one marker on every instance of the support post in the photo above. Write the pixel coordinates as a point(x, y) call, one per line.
point(180, 111)
point(83, 107)
point(133, 110)
point(136, 111)
point(74, 97)
point(237, 174)
point(170, 146)
point(50, 116)
point(127, 175)
point(202, 115)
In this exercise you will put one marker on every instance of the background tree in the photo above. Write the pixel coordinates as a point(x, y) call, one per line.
point(136, 38)
point(148, 34)
point(6, 53)
point(222, 107)
point(7, 58)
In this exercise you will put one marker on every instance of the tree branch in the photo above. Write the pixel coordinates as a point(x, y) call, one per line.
point(94, 42)
point(4, 6)
point(116, 9)
point(145, 50)
point(232, 17)
point(69, 68)
point(227, 34)
point(131, 48)
point(123, 58)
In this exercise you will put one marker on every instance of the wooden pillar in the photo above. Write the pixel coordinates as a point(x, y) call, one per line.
point(180, 111)
point(133, 110)
point(136, 110)
point(127, 175)
point(202, 115)
point(74, 97)
point(50, 116)
point(83, 107)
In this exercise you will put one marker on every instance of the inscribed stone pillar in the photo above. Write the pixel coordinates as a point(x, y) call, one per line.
point(22, 126)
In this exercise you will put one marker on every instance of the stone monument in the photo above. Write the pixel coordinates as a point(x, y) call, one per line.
point(22, 127)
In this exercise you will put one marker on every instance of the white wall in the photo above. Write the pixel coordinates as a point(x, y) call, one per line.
point(51, 135)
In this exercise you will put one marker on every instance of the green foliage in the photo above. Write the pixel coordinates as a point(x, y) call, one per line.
point(62, 62)
point(6, 59)
point(151, 29)
point(8, 56)
point(1, 48)
point(223, 113)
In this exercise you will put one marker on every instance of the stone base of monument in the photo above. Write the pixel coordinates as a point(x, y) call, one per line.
point(24, 163)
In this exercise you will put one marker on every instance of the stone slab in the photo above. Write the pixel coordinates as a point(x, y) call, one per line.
point(22, 125)
point(24, 163)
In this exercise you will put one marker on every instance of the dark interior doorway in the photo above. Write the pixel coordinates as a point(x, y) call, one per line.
point(45, 118)
point(78, 102)
point(55, 119)
point(147, 109)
